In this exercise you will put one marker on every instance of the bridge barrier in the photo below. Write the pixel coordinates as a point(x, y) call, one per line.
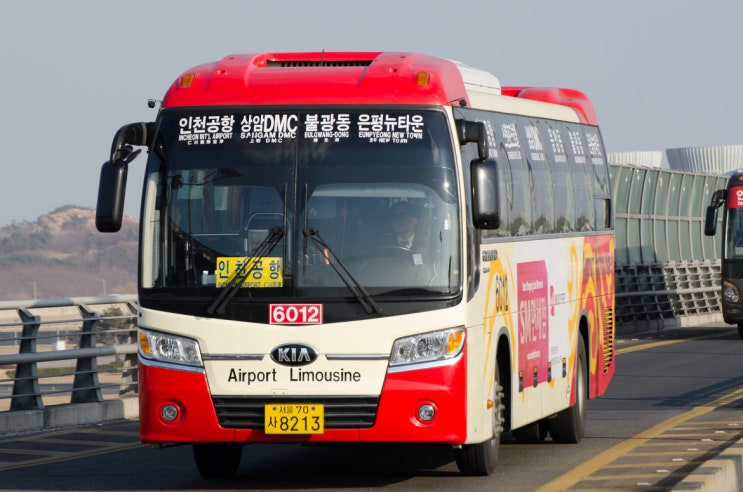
point(63, 363)
point(667, 272)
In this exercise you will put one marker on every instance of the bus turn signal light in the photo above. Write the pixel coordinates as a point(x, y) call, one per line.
point(421, 78)
point(187, 80)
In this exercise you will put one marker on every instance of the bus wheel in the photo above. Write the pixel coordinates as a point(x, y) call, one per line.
point(533, 433)
point(570, 424)
point(481, 458)
point(217, 460)
point(740, 330)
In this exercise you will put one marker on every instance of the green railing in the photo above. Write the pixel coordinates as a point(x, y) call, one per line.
point(667, 270)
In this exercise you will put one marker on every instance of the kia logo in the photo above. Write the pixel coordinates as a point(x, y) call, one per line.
point(294, 354)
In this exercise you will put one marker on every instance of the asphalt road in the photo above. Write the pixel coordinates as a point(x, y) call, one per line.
point(676, 400)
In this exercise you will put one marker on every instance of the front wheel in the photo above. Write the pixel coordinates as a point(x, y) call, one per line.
point(481, 458)
point(217, 460)
point(570, 424)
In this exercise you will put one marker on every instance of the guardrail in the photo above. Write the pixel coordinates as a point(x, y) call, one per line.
point(57, 352)
point(74, 360)
point(658, 296)
point(667, 271)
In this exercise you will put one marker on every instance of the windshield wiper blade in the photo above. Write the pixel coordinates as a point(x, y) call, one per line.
point(235, 284)
point(358, 290)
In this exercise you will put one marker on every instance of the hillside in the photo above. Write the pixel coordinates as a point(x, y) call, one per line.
point(62, 254)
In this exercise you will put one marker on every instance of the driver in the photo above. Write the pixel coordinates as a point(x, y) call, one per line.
point(403, 221)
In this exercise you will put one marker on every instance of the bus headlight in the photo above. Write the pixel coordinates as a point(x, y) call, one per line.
point(730, 293)
point(428, 347)
point(169, 348)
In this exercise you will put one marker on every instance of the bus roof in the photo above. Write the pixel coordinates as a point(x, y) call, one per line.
point(350, 78)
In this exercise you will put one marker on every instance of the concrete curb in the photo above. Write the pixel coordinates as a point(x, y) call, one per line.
point(69, 415)
point(719, 474)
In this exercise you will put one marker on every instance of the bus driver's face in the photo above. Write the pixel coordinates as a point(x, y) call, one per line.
point(403, 222)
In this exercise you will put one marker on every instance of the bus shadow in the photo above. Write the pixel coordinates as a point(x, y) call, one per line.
point(341, 466)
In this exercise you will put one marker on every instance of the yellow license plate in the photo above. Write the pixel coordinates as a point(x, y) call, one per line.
point(294, 418)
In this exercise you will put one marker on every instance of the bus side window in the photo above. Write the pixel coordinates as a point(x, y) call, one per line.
point(562, 177)
point(585, 213)
point(533, 150)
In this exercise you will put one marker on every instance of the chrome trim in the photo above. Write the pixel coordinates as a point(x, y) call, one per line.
point(258, 357)
point(173, 367)
point(232, 356)
point(425, 365)
point(357, 356)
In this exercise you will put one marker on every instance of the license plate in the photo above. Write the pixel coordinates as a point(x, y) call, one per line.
point(294, 418)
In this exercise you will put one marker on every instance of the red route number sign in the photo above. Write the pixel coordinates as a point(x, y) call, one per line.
point(735, 197)
point(295, 314)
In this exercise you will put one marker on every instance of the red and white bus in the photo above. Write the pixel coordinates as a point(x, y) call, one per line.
point(277, 305)
point(731, 254)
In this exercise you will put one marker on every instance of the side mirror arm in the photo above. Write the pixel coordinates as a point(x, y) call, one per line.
point(128, 135)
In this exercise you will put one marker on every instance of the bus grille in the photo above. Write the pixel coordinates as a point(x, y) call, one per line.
point(318, 63)
point(239, 412)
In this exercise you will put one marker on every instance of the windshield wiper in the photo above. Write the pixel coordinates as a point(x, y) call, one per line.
point(235, 284)
point(358, 290)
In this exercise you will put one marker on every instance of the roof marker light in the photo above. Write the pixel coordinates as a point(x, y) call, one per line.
point(421, 78)
point(187, 80)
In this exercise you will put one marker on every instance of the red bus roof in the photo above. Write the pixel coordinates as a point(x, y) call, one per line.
point(318, 78)
point(557, 95)
point(344, 78)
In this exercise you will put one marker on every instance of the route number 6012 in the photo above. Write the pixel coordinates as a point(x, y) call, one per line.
point(295, 314)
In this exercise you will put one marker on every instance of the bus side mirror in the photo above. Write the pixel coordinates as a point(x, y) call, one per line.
point(474, 131)
point(112, 185)
point(111, 189)
point(710, 221)
point(484, 175)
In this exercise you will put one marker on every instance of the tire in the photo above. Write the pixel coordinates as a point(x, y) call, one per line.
point(533, 433)
point(570, 424)
point(217, 460)
point(480, 459)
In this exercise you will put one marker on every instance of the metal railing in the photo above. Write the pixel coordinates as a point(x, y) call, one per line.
point(61, 351)
point(58, 354)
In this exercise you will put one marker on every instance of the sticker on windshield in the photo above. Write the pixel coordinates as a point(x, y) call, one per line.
point(327, 127)
point(259, 273)
point(317, 127)
point(268, 128)
point(387, 128)
point(205, 130)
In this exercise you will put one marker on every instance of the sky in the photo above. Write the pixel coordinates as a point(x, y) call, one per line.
point(661, 73)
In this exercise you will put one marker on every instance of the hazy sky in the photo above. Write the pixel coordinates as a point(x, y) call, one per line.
point(661, 73)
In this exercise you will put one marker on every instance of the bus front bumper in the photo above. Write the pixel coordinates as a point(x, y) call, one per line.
point(176, 407)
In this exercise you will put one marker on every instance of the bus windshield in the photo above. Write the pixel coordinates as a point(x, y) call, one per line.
point(369, 194)
point(734, 234)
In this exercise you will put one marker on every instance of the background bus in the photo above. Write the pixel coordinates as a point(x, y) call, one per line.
point(732, 245)
point(278, 302)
